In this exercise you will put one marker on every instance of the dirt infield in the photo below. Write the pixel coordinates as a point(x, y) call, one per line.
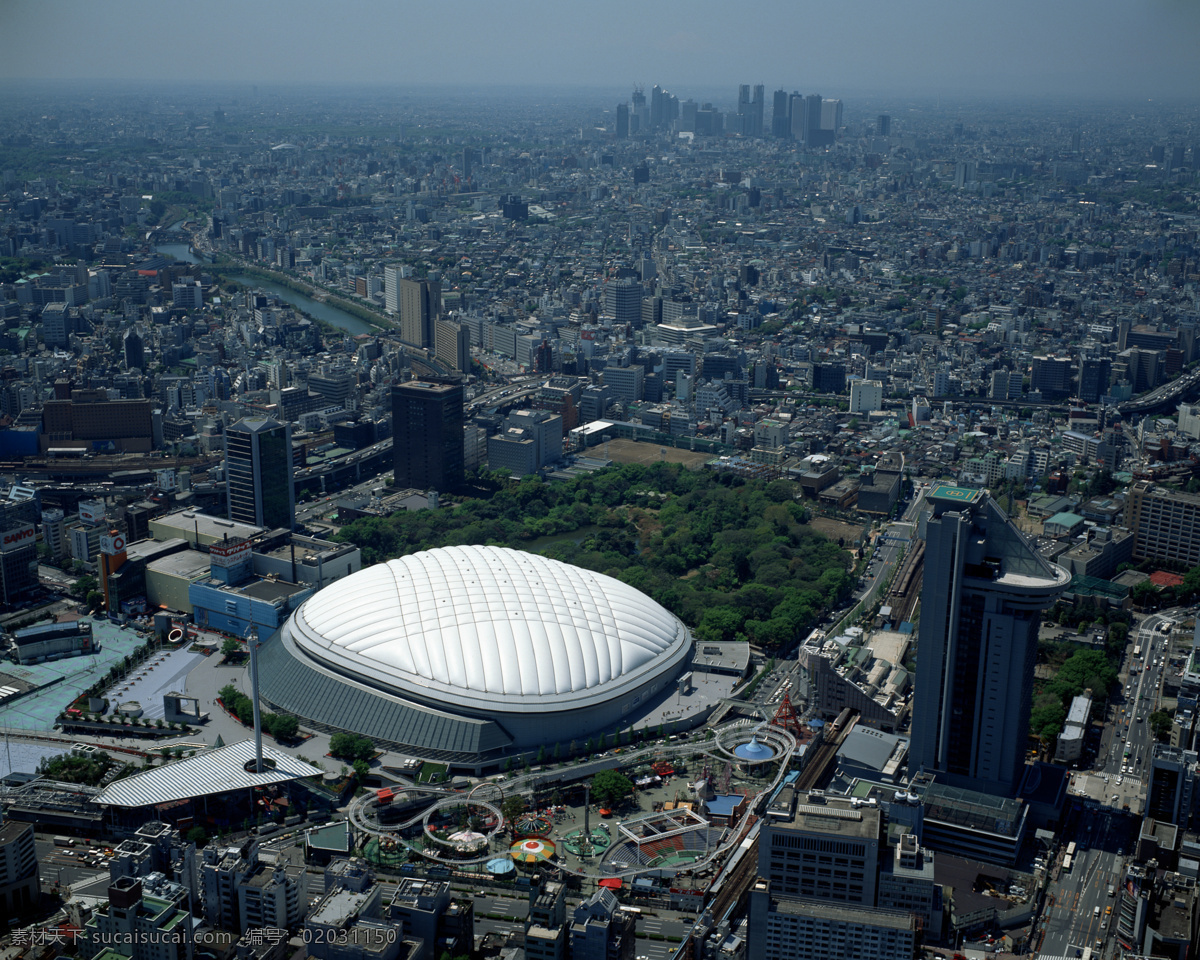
point(630, 451)
point(836, 528)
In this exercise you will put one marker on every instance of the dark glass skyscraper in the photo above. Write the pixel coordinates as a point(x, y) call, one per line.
point(982, 598)
point(829, 377)
point(258, 468)
point(427, 434)
point(135, 351)
point(781, 118)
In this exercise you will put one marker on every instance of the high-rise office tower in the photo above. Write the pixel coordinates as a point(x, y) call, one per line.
point(885, 125)
point(964, 173)
point(258, 469)
point(452, 345)
point(687, 116)
point(1051, 376)
point(663, 107)
point(623, 300)
point(639, 113)
point(427, 434)
point(743, 107)
point(392, 277)
point(798, 114)
point(622, 121)
point(135, 352)
point(757, 110)
point(750, 109)
point(1000, 385)
point(985, 587)
point(470, 159)
point(1165, 523)
point(829, 377)
point(1172, 777)
point(781, 121)
point(813, 135)
point(1094, 373)
point(420, 303)
point(831, 116)
point(815, 895)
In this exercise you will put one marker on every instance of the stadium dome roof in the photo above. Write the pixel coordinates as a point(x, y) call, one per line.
point(489, 627)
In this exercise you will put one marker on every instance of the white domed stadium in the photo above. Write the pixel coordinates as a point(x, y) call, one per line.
point(468, 653)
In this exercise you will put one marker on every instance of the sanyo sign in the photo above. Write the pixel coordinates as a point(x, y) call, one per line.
point(17, 537)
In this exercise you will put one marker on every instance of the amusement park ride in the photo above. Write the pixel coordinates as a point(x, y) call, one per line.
point(758, 751)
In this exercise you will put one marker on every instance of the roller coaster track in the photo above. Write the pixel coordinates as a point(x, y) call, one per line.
point(361, 810)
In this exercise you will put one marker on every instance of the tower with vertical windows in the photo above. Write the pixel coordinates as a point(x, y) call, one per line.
point(781, 119)
point(985, 587)
point(259, 473)
point(427, 434)
point(420, 304)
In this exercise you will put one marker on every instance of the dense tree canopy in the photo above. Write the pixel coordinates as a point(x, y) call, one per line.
point(1083, 670)
point(611, 787)
point(69, 768)
point(1160, 723)
point(732, 558)
point(279, 725)
point(349, 746)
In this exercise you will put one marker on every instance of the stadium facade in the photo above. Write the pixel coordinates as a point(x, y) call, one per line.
point(470, 654)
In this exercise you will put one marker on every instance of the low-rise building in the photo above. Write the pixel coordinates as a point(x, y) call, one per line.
point(600, 930)
point(141, 925)
point(907, 883)
point(1069, 746)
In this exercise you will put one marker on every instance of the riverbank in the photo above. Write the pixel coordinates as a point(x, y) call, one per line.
point(321, 304)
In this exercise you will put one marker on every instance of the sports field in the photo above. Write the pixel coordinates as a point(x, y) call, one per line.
point(630, 451)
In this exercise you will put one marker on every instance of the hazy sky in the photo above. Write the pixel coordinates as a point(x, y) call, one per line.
point(1108, 48)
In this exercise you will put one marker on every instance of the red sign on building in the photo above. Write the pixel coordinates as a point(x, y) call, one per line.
point(17, 537)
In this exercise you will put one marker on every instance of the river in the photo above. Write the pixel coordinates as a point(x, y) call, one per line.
point(314, 308)
point(180, 251)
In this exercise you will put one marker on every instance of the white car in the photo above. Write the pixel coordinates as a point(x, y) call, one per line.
point(1120, 780)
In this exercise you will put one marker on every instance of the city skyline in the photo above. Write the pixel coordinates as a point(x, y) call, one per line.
point(1094, 50)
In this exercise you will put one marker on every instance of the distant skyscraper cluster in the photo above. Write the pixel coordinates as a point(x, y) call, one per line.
point(812, 120)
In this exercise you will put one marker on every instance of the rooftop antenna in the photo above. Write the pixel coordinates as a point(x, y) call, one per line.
point(252, 643)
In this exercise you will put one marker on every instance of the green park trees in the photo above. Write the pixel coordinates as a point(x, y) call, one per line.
point(351, 747)
point(610, 788)
point(1083, 670)
point(279, 725)
point(733, 558)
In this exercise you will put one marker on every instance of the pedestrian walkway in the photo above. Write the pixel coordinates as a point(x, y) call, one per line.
point(150, 681)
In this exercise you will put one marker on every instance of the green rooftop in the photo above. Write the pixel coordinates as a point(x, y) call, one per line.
point(334, 836)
